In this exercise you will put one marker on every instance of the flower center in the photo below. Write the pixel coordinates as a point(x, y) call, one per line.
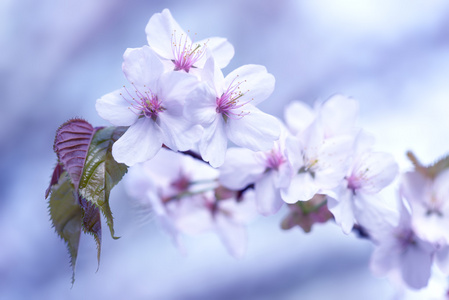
point(274, 159)
point(228, 103)
point(146, 103)
point(185, 53)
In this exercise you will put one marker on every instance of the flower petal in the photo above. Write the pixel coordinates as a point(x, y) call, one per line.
point(139, 143)
point(298, 116)
point(268, 197)
point(343, 210)
point(160, 30)
point(232, 235)
point(214, 143)
point(256, 83)
point(173, 88)
point(301, 188)
point(256, 130)
point(240, 168)
point(200, 105)
point(178, 133)
point(114, 108)
point(220, 48)
point(142, 67)
point(339, 115)
point(380, 169)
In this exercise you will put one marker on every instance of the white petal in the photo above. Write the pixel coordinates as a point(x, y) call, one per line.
point(268, 197)
point(342, 209)
point(160, 30)
point(339, 115)
point(114, 108)
point(142, 67)
point(256, 83)
point(139, 143)
point(200, 105)
point(298, 116)
point(214, 143)
point(173, 89)
point(302, 188)
point(415, 265)
point(178, 133)
point(221, 50)
point(240, 168)
point(379, 170)
point(232, 235)
point(256, 130)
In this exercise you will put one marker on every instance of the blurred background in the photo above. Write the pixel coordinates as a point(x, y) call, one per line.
point(58, 57)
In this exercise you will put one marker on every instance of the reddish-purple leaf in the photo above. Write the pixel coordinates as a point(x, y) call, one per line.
point(71, 144)
point(59, 169)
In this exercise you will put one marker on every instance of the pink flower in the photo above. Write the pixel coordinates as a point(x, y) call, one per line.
point(178, 50)
point(225, 107)
point(268, 171)
point(152, 108)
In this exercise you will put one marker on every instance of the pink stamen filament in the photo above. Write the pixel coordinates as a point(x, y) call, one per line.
point(184, 53)
point(146, 104)
point(274, 159)
point(229, 101)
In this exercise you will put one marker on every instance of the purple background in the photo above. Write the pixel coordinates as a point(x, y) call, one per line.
point(58, 57)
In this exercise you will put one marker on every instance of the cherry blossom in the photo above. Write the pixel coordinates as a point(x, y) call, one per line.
point(268, 171)
point(152, 108)
point(225, 107)
point(368, 174)
point(178, 50)
point(399, 250)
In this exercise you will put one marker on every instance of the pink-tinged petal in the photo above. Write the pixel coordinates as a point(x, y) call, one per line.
point(298, 116)
point(220, 49)
point(214, 143)
point(339, 115)
point(283, 175)
point(343, 210)
point(173, 89)
point(240, 169)
point(114, 108)
point(232, 235)
point(142, 67)
point(378, 169)
point(200, 105)
point(415, 187)
point(255, 130)
point(139, 143)
point(416, 263)
point(160, 30)
point(178, 133)
point(293, 151)
point(302, 188)
point(268, 197)
point(255, 83)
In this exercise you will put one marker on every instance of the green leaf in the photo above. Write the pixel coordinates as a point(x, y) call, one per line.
point(92, 223)
point(66, 216)
point(101, 172)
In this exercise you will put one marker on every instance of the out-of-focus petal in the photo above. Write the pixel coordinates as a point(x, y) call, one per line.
point(298, 116)
point(240, 168)
point(302, 188)
point(268, 197)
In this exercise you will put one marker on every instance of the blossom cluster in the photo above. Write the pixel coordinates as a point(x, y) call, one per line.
point(182, 112)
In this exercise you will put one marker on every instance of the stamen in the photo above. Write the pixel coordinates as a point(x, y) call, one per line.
point(228, 102)
point(185, 54)
point(146, 104)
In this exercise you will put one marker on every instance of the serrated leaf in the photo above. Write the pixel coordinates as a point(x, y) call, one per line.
point(59, 169)
point(71, 145)
point(92, 223)
point(101, 172)
point(66, 216)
